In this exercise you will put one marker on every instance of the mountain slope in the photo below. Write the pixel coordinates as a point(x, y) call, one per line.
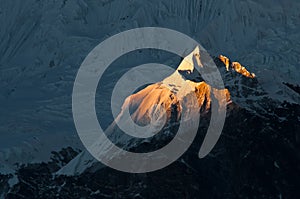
point(161, 105)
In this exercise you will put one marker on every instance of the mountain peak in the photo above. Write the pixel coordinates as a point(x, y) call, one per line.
point(236, 66)
point(172, 93)
point(187, 63)
point(160, 106)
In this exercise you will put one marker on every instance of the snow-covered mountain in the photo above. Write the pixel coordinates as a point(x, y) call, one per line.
point(162, 104)
point(247, 132)
point(44, 42)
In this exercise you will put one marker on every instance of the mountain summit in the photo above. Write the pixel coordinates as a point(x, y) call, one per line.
point(159, 107)
point(161, 104)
